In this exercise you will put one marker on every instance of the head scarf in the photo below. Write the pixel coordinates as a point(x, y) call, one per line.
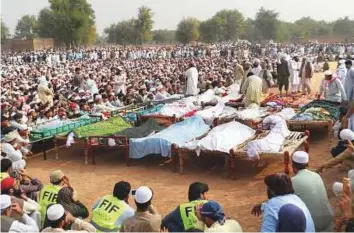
point(291, 219)
point(65, 198)
point(213, 210)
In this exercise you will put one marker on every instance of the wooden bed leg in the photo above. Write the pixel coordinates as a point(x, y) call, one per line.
point(307, 142)
point(232, 168)
point(286, 162)
point(330, 128)
point(126, 154)
point(181, 163)
point(86, 152)
point(44, 150)
point(174, 156)
point(227, 166)
point(56, 148)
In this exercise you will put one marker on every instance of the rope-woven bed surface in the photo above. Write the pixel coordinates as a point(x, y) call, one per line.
point(314, 123)
point(292, 142)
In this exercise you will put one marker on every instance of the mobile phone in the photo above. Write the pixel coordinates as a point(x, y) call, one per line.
point(346, 186)
point(133, 192)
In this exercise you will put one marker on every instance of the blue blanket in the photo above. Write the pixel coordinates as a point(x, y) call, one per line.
point(161, 142)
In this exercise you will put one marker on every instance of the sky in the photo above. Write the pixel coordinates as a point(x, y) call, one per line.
point(168, 13)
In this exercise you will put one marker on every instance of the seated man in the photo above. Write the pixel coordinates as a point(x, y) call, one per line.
point(29, 206)
point(49, 193)
point(8, 224)
point(346, 157)
point(29, 186)
point(212, 215)
point(12, 150)
point(57, 219)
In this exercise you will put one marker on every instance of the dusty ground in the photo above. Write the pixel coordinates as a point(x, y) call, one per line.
point(170, 189)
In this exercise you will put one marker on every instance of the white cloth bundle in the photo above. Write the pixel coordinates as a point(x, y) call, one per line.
point(211, 113)
point(273, 141)
point(176, 109)
point(222, 138)
point(250, 113)
point(286, 113)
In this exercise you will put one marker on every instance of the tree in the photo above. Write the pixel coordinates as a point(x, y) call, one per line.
point(343, 26)
point(249, 32)
point(188, 30)
point(144, 24)
point(224, 25)
point(163, 36)
point(209, 31)
point(123, 32)
point(5, 32)
point(46, 24)
point(27, 27)
point(68, 21)
point(266, 24)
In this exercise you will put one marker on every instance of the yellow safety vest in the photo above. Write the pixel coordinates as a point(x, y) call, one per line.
point(189, 217)
point(3, 175)
point(48, 195)
point(106, 214)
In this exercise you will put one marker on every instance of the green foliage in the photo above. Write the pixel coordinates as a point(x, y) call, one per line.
point(188, 30)
point(27, 27)
point(133, 31)
point(266, 24)
point(343, 26)
point(144, 24)
point(123, 33)
point(163, 36)
point(223, 26)
point(46, 24)
point(69, 21)
point(5, 32)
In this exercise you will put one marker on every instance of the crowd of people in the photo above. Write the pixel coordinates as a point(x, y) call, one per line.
point(297, 204)
point(39, 87)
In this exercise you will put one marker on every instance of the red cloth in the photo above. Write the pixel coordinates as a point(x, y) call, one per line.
point(73, 106)
point(7, 183)
point(190, 114)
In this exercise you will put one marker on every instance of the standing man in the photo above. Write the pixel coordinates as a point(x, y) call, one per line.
point(348, 119)
point(349, 80)
point(341, 70)
point(306, 73)
point(283, 75)
point(256, 67)
point(192, 80)
point(309, 187)
point(252, 89)
point(238, 72)
point(184, 217)
point(266, 77)
point(295, 66)
point(111, 211)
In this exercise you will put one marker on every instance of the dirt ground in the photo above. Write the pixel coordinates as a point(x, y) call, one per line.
point(170, 189)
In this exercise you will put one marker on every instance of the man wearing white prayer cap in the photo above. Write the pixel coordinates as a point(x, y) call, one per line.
point(146, 218)
point(343, 156)
point(346, 134)
point(332, 88)
point(8, 224)
point(57, 219)
point(310, 188)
